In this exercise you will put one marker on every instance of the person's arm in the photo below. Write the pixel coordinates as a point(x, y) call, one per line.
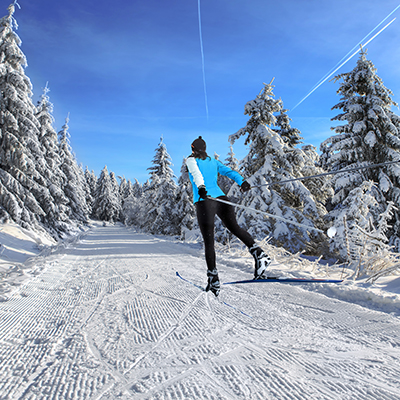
point(234, 175)
point(195, 172)
point(230, 173)
point(197, 177)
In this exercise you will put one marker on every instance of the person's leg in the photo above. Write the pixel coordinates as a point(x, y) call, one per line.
point(205, 211)
point(227, 215)
point(205, 217)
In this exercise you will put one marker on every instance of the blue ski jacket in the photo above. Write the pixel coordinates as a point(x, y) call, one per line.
point(205, 172)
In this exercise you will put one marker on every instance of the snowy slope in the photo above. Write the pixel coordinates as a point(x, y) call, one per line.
point(107, 318)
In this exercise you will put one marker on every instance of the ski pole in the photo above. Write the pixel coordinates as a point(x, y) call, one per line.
point(327, 173)
point(268, 215)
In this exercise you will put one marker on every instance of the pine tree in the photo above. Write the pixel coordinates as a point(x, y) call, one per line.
point(132, 204)
point(125, 192)
point(137, 189)
point(124, 188)
point(91, 184)
point(353, 214)
point(23, 190)
point(48, 137)
point(272, 159)
point(233, 163)
point(291, 136)
point(127, 189)
point(370, 135)
point(184, 204)
point(86, 192)
point(51, 170)
point(75, 184)
point(115, 189)
point(160, 196)
point(107, 206)
point(222, 234)
point(319, 187)
point(261, 111)
point(359, 241)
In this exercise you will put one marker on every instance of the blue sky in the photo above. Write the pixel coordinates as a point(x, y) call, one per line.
point(131, 72)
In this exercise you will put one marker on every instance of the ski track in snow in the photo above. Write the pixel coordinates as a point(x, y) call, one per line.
point(108, 319)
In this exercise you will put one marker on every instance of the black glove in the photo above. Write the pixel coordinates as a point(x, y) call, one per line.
point(245, 186)
point(202, 192)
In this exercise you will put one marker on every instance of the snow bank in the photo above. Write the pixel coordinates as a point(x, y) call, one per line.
point(20, 253)
point(382, 295)
point(17, 246)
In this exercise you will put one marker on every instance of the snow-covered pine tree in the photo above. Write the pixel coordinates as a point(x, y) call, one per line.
point(145, 186)
point(271, 159)
point(149, 207)
point(115, 186)
point(75, 184)
point(91, 184)
point(319, 187)
point(359, 241)
point(107, 204)
point(51, 170)
point(132, 206)
point(354, 213)
point(160, 196)
point(291, 136)
point(261, 111)
point(23, 190)
point(184, 204)
point(370, 135)
point(86, 190)
point(122, 185)
point(233, 163)
point(137, 189)
point(222, 234)
point(125, 192)
point(125, 188)
point(129, 191)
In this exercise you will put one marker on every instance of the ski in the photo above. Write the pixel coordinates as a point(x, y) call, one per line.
point(203, 289)
point(286, 280)
point(192, 283)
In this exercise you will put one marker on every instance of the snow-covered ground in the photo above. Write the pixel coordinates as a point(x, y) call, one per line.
point(105, 317)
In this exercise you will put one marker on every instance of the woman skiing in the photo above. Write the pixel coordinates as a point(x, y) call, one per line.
point(203, 174)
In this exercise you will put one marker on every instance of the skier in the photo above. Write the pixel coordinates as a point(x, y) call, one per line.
point(203, 174)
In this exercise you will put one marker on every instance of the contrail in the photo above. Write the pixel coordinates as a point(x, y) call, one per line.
point(202, 60)
point(327, 76)
point(357, 46)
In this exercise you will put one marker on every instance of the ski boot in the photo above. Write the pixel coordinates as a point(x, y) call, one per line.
point(213, 284)
point(262, 262)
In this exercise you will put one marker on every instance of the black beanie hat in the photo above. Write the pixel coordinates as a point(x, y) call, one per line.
point(199, 144)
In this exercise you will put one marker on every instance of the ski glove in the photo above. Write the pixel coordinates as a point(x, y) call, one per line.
point(203, 192)
point(245, 187)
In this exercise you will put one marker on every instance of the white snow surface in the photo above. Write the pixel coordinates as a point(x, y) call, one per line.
point(105, 317)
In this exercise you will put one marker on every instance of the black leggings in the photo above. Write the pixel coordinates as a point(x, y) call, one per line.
point(206, 211)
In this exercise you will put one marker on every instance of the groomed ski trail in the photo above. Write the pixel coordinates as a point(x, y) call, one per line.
point(107, 318)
